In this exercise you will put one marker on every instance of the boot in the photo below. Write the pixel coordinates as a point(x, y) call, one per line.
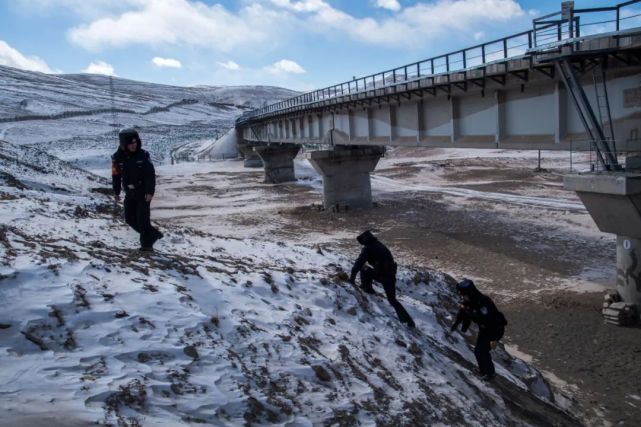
point(157, 236)
point(368, 289)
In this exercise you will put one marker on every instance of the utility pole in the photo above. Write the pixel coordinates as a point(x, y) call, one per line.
point(114, 116)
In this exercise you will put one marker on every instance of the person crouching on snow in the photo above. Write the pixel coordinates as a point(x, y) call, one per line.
point(480, 309)
point(133, 171)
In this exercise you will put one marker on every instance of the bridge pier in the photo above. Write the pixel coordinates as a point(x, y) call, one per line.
point(345, 172)
point(629, 270)
point(252, 159)
point(278, 161)
point(614, 202)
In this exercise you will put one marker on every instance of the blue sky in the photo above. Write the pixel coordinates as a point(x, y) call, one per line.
point(300, 44)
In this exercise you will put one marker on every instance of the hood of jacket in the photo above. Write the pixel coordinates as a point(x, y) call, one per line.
point(125, 136)
point(366, 238)
point(466, 287)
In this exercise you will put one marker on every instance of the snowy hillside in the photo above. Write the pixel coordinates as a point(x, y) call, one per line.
point(218, 331)
point(76, 118)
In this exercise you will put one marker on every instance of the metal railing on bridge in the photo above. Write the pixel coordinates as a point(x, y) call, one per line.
point(547, 32)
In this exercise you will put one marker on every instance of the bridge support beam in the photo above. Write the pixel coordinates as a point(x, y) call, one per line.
point(252, 159)
point(614, 202)
point(345, 172)
point(278, 161)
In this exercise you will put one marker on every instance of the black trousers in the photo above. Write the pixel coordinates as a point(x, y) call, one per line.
point(482, 349)
point(369, 275)
point(137, 215)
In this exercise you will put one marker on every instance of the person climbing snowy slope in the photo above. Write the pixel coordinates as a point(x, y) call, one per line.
point(382, 270)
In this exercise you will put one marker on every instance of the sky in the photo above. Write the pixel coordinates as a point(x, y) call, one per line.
point(298, 44)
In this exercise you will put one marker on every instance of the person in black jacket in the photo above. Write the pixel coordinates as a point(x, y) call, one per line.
point(132, 170)
point(380, 258)
point(480, 309)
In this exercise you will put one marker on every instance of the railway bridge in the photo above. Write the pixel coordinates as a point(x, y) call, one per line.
point(572, 81)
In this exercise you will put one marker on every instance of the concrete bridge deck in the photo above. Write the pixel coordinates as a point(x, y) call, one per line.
point(518, 103)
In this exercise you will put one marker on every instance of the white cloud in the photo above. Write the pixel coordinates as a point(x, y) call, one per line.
point(166, 62)
point(389, 4)
point(229, 65)
point(285, 66)
point(265, 23)
point(413, 26)
point(13, 58)
point(479, 35)
point(180, 22)
point(100, 67)
point(301, 5)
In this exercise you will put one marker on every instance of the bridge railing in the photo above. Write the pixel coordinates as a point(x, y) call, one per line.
point(547, 31)
point(574, 23)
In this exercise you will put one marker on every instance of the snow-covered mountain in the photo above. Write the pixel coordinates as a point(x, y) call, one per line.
point(76, 116)
point(218, 331)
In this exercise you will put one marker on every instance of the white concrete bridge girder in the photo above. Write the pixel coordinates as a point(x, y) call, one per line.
point(537, 115)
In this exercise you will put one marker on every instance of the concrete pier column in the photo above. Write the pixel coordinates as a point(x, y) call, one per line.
point(629, 269)
point(614, 203)
point(278, 161)
point(345, 171)
point(252, 159)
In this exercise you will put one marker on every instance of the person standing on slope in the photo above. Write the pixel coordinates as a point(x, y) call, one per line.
point(132, 170)
point(480, 309)
point(380, 258)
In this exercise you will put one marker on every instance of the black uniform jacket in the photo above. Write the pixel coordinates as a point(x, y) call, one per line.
point(133, 172)
point(375, 254)
point(481, 310)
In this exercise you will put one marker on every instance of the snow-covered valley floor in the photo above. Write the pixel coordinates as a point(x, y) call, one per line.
point(228, 323)
point(484, 214)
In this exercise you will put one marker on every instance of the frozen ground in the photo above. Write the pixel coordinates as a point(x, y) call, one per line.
point(483, 214)
point(241, 318)
point(218, 329)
